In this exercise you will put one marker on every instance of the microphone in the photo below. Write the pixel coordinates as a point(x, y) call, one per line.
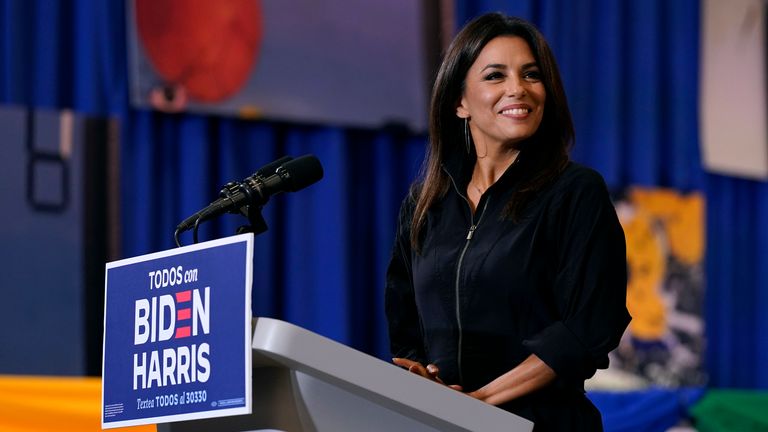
point(230, 191)
point(283, 175)
point(270, 168)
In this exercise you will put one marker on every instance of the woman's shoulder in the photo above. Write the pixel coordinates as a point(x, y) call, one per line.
point(581, 182)
point(578, 175)
point(408, 205)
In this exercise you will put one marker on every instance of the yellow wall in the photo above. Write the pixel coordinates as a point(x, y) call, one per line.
point(37, 403)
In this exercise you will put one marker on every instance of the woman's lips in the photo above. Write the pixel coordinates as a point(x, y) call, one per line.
point(516, 111)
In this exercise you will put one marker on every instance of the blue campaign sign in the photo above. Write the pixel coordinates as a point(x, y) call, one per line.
point(177, 330)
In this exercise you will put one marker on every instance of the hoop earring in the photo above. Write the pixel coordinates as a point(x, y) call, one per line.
point(466, 134)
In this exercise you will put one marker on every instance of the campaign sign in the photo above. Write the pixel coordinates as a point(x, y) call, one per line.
point(177, 330)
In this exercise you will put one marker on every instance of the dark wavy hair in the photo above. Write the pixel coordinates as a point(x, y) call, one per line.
point(542, 157)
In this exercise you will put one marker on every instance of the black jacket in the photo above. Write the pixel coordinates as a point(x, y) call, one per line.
point(478, 301)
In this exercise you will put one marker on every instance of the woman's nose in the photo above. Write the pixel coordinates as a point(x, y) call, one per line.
point(515, 88)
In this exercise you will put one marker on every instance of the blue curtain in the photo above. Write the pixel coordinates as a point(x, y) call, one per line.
point(737, 282)
point(631, 72)
point(321, 263)
point(64, 54)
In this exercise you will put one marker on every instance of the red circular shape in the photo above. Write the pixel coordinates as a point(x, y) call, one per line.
point(209, 47)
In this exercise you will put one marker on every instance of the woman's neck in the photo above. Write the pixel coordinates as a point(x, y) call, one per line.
point(490, 168)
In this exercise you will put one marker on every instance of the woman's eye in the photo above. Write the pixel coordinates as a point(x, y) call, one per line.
point(533, 75)
point(494, 76)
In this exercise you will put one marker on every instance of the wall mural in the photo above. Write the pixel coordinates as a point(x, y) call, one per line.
point(199, 49)
point(338, 62)
point(664, 344)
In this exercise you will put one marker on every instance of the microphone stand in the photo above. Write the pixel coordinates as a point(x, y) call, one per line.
point(257, 223)
point(253, 212)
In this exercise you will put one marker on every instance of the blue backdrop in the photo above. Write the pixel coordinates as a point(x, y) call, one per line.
point(631, 72)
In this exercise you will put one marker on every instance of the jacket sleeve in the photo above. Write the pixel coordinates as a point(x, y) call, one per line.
point(404, 324)
point(590, 285)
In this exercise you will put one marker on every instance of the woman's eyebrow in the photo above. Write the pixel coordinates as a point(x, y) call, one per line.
point(494, 66)
point(503, 66)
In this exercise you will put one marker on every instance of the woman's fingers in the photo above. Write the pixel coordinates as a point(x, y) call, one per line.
point(419, 370)
point(434, 372)
point(412, 366)
point(431, 371)
point(403, 362)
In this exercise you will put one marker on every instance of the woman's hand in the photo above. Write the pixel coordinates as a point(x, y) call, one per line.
point(527, 377)
point(430, 372)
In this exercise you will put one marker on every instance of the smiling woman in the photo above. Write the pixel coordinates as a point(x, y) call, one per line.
point(508, 277)
point(502, 104)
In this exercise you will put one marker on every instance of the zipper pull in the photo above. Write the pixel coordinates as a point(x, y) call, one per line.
point(471, 231)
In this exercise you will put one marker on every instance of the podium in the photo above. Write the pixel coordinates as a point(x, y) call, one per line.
point(305, 382)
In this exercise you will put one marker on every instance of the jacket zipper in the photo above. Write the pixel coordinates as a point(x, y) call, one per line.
point(471, 232)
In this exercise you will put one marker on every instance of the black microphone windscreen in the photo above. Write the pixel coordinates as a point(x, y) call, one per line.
point(270, 168)
point(303, 171)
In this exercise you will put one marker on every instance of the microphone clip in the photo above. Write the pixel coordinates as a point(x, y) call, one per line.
point(257, 223)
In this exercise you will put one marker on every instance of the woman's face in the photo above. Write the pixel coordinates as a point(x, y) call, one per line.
point(503, 94)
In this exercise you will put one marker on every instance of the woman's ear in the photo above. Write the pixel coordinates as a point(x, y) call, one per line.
point(461, 110)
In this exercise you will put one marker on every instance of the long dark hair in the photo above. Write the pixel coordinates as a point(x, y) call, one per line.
point(542, 157)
